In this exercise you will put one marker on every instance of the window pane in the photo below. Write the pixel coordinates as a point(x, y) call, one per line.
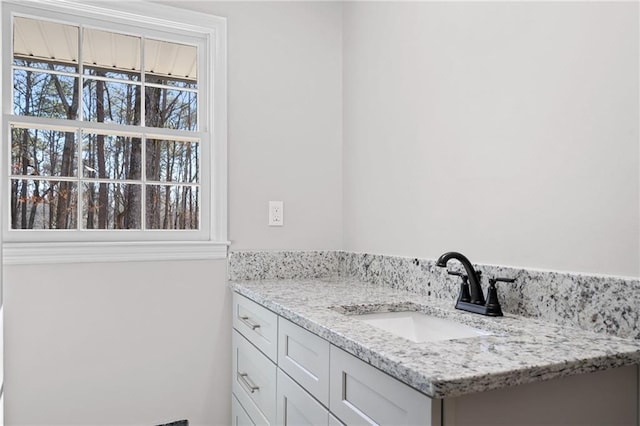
point(43, 152)
point(172, 109)
point(170, 60)
point(111, 102)
point(172, 207)
point(43, 65)
point(41, 204)
point(111, 206)
point(172, 161)
point(42, 94)
point(44, 44)
point(111, 157)
point(115, 74)
point(111, 54)
point(172, 82)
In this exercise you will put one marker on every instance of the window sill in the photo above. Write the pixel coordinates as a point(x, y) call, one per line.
point(39, 253)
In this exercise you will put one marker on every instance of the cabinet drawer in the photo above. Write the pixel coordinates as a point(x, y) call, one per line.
point(239, 417)
point(362, 394)
point(253, 381)
point(305, 357)
point(296, 407)
point(258, 324)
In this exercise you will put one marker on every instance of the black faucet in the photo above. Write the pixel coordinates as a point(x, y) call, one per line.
point(477, 297)
point(474, 302)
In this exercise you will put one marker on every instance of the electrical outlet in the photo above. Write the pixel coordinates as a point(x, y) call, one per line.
point(276, 213)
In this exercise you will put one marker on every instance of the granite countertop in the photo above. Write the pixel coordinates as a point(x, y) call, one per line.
point(520, 350)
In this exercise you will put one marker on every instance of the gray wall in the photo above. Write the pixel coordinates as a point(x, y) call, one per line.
point(504, 130)
point(147, 343)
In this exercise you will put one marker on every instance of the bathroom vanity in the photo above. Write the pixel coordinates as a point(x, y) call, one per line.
point(304, 352)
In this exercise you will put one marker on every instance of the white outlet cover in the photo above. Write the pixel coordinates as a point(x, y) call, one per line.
point(276, 213)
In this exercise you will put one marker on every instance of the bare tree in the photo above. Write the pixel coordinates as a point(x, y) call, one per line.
point(103, 194)
point(65, 189)
point(133, 202)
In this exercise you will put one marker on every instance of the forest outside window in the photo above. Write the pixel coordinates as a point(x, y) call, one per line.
point(93, 178)
point(108, 132)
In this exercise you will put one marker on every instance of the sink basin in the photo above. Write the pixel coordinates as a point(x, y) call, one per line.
point(419, 327)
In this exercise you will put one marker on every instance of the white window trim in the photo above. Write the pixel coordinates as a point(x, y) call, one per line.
point(36, 253)
point(215, 247)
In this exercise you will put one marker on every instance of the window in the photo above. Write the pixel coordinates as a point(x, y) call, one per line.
point(114, 128)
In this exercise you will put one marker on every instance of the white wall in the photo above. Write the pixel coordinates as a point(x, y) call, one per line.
point(285, 112)
point(117, 344)
point(145, 343)
point(504, 130)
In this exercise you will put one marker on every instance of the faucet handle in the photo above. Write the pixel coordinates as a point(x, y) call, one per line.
point(464, 295)
point(494, 280)
point(493, 304)
point(460, 274)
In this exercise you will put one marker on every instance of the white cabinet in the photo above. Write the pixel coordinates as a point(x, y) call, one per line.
point(254, 381)
point(285, 375)
point(296, 407)
point(305, 357)
point(258, 324)
point(362, 395)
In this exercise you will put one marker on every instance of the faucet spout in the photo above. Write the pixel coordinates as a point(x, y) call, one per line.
point(477, 297)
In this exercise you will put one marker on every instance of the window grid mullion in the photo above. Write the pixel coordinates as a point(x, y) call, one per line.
point(176, 88)
point(112, 80)
point(44, 71)
point(79, 132)
point(80, 73)
point(79, 172)
point(143, 139)
point(84, 180)
point(41, 178)
point(143, 176)
point(61, 124)
point(143, 81)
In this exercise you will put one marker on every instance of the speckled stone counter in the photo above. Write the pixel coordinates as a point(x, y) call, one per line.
point(594, 303)
point(520, 350)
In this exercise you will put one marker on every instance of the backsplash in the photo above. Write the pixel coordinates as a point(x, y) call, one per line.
point(596, 303)
point(258, 265)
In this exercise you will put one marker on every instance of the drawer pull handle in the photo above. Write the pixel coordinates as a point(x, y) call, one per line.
point(252, 325)
point(244, 378)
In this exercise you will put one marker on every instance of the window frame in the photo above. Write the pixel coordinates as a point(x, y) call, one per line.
point(56, 246)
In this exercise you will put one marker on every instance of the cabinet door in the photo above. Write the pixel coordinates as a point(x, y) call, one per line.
point(258, 324)
point(296, 407)
point(363, 395)
point(305, 357)
point(253, 381)
point(239, 417)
